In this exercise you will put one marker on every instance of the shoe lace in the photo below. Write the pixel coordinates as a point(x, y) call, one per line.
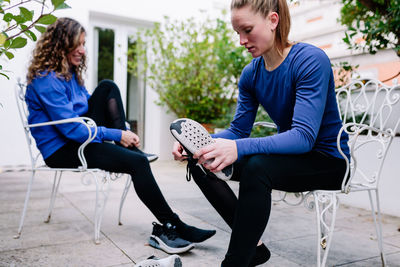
point(191, 164)
point(170, 231)
point(188, 173)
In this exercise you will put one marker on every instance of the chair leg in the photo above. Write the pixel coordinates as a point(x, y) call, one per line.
point(378, 223)
point(56, 184)
point(123, 197)
point(27, 196)
point(102, 191)
point(325, 208)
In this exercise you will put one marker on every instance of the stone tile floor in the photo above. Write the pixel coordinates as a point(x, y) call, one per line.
point(68, 239)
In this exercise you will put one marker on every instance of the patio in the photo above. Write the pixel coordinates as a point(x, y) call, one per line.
point(68, 239)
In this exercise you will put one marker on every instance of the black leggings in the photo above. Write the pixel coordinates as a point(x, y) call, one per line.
point(258, 174)
point(105, 108)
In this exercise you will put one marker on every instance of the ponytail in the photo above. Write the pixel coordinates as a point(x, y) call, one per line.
point(283, 28)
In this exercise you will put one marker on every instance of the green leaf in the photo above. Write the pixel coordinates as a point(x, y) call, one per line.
point(7, 44)
point(20, 19)
point(9, 54)
point(47, 19)
point(40, 29)
point(18, 42)
point(8, 17)
point(56, 3)
point(3, 39)
point(62, 6)
point(28, 15)
point(59, 4)
point(29, 33)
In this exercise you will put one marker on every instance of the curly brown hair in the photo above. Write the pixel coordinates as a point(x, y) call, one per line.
point(52, 49)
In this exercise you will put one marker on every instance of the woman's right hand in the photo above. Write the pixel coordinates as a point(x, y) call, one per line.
point(129, 139)
point(178, 152)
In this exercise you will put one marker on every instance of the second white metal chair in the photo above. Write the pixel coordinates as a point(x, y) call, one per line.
point(366, 108)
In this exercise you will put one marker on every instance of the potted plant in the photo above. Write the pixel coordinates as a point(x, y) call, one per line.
point(194, 66)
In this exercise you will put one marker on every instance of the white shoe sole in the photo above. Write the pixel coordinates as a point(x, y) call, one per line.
point(156, 242)
point(193, 136)
point(171, 261)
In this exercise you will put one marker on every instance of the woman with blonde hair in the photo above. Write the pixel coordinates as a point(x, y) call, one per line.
point(56, 91)
point(294, 83)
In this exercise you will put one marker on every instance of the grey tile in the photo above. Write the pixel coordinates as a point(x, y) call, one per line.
point(79, 253)
point(68, 239)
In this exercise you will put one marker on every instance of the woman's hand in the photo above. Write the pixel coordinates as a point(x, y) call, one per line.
point(221, 154)
point(178, 152)
point(129, 139)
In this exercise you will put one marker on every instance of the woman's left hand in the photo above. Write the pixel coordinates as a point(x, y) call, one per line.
point(136, 140)
point(221, 153)
point(129, 139)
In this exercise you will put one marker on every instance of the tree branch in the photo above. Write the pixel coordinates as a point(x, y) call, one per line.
point(27, 28)
point(30, 26)
point(11, 28)
point(20, 3)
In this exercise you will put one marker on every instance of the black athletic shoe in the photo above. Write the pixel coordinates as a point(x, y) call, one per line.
point(166, 238)
point(151, 157)
point(191, 233)
point(193, 136)
point(262, 255)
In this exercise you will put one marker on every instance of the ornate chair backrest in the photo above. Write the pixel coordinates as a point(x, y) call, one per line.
point(370, 118)
point(20, 89)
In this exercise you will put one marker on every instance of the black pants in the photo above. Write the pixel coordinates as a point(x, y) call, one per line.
point(258, 174)
point(105, 108)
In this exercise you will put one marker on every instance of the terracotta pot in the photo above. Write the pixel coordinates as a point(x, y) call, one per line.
point(209, 127)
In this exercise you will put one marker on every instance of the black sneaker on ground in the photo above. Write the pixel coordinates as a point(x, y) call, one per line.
point(193, 136)
point(262, 255)
point(191, 233)
point(166, 238)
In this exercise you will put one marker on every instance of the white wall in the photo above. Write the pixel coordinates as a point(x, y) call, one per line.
point(122, 13)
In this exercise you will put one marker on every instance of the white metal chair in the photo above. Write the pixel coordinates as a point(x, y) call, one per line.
point(101, 178)
point(366, 108)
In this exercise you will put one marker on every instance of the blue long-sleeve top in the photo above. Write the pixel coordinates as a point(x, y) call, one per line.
point(52, 98)
point(299, 96)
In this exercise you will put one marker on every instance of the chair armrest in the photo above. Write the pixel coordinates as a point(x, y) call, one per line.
point(88, 122)
point(265, 124)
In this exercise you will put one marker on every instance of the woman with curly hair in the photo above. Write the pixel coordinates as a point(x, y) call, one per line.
point(56, 91)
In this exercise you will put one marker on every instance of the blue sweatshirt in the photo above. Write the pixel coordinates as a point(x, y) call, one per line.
point(299, 96)
point(52, 98)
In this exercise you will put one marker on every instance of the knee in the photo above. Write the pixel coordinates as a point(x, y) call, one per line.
point(108, 85)
point(255, 172)
point(255, 163)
